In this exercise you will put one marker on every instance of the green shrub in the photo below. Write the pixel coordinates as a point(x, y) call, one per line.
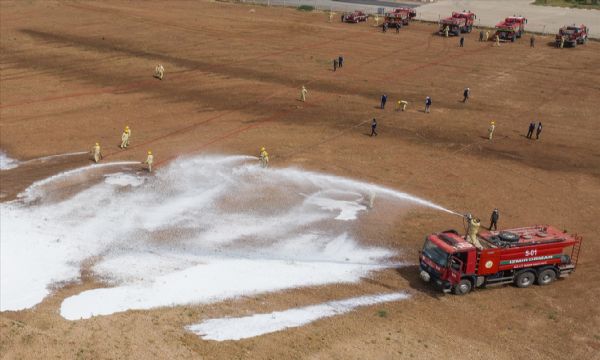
point(305, 8)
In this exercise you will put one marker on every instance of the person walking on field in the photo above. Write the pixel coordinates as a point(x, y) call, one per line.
point(497, 43)
point(303, 93)
point(335, 64)
point(340, 61)
point(466, 94)
point(530, 131)
point(532, 41)
point(397, 28)
point(491, 130)
point(374, 127)
point(494, 220)
point(481, 36)
point(538, 131)
point(427, 104)
point(383, 100)
point(446, 30)
point(487, 35)
point(461, 43)
point(96, 153)
point(149, 161)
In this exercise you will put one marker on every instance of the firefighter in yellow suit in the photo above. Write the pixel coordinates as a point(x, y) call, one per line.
point(303, 93)
point(149, 161)
point(96, 153)
point(125, 138)
point(472, 231)
point(402, 105)
point(264, 157)
point(491, 130)
point(159, 72)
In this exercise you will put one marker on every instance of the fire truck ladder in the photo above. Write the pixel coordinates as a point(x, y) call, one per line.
point(576, 249)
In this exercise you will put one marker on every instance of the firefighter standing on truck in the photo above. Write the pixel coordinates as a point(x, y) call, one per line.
point(494, 219)
point(472, 231)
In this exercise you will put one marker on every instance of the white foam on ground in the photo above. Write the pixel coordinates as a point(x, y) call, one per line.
point(7, 163)
point(259, 324)
point(202, 229)
point(122, 179)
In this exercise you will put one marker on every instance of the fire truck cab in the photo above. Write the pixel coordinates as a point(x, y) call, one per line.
point(459, 22)
point(572, 35)
point(520, 256)
point(511, 28)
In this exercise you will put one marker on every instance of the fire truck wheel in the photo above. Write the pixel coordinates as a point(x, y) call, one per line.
point(463, 287)
point(524, 279)
point(546, 277)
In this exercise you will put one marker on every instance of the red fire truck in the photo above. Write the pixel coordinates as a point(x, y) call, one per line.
point(355, 17)
point(511, 28)
point(573, 35)
point(400, 16)
point(520, 256)
point(459, 22)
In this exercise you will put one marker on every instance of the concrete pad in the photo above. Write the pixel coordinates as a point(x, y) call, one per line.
point(544, 19)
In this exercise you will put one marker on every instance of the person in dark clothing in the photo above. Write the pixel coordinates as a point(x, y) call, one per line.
point(481, 35)
point(532, 41)
point(538, 131)
point(427, 104)
point(383, 100)
point(335, 64)
point(340, 61)
point(466, 94)
point(494, 219)
point(374, 127)
point(530, 131)
point(384, 27)
point(343, 17)
point(397, 28)
point(462, 41)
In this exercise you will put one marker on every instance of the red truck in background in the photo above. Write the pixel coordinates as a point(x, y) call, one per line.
point(459, 22)
point(355, 17)
point(520, 256)
point(400, 16)
point(511, 28)
point(573, 35)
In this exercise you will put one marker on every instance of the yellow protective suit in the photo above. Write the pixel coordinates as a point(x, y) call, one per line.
point(124, 139)
point(497, 40)
point(149, 161)
point(487, 35)
point(128, 131)
point(159, 72)
point(491, 131)
point(472, 231)
point(402, 105)
point(303, 93)
point(96, 153)
point(446, 30)
point(264, 158)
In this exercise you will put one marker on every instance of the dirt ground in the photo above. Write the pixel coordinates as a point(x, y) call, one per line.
point(74, 73)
